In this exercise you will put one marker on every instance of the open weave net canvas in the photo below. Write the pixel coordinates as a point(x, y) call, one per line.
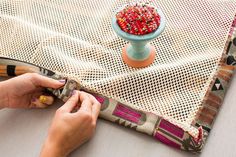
point(75, 38)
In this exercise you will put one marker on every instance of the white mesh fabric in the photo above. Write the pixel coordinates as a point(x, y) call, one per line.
point(75, 37)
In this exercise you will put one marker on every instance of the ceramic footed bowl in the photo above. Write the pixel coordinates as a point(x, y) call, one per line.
point(139, 53)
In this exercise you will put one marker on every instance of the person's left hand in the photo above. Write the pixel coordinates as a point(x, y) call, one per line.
point(26, 91)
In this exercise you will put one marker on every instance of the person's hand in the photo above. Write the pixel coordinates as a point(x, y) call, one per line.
point(26, 91)
point(74, 123)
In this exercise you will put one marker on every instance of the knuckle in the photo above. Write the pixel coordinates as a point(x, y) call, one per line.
point(27, 75)
point(93, 125)
point(33, 75)
point(87, 116)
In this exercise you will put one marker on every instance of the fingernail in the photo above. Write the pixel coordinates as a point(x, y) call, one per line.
point(62, 81)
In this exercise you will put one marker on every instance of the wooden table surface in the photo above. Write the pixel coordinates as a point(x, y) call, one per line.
point(22, 133)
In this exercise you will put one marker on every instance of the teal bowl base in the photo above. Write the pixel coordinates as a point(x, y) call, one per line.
point(128, 56)
point(138, 50)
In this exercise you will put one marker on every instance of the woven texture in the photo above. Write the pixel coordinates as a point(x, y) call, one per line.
point(75, 38)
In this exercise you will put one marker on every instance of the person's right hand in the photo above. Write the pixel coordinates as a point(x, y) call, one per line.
point(71, 129)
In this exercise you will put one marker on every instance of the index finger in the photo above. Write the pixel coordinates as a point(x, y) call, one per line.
point(43, 81)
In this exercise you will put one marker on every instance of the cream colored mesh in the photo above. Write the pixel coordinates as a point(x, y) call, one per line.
point(75, 37)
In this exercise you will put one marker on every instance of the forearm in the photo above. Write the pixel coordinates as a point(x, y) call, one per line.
point(3, 95)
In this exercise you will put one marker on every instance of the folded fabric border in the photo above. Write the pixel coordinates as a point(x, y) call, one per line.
point(146, 122)
point(113, 110)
